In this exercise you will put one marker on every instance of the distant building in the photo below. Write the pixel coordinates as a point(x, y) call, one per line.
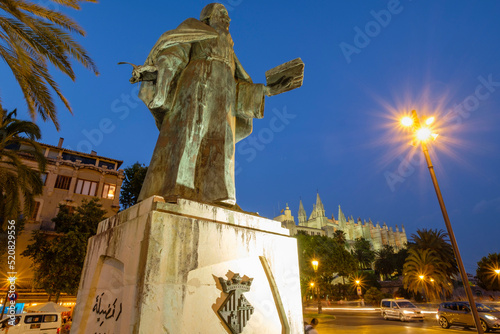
point(69, 178)
point(319, 224)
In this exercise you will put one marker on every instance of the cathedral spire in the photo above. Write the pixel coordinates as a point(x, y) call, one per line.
point(320, 209)
point(302, 214)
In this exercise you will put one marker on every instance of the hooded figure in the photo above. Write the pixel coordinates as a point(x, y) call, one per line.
point(203, 102)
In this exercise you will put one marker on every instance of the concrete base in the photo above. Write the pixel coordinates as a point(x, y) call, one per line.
point(155, 268)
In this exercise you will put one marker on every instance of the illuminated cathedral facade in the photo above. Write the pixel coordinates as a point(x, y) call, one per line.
point(319, 224)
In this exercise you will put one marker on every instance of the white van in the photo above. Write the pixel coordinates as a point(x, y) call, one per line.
point(401, 309)
point(39, 323)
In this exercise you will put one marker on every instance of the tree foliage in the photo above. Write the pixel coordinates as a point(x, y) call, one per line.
point(437, 240)
point(31, 38)
point(333, 259)
point(424, 270)
point(373, 296)
point(58, 261)
point(384, 263)
point(19, 183)
point(132, 183)
point(363, 253)
point(389, 262)
point(486, 275)
point(339, 237)
point(399, 259)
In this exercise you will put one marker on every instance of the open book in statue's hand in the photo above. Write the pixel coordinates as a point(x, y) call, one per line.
point(285, 77)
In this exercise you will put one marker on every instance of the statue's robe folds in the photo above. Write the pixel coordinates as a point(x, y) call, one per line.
point(203, 103)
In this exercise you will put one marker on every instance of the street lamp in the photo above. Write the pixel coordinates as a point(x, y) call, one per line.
point(312, 288)
point(423, 134)
point(315, 265)
point(497, 271)
point(422, 277)
point(359, 292)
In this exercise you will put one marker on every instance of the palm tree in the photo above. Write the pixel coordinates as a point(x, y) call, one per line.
point(363, 253)
point(487, 274)
point(425, 271)
point(437, 240)
point(339, 237)
point(384, 262)
point(19, 183)
point(31, 36)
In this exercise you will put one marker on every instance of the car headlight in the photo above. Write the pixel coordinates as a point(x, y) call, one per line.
point(407, 312)
point(490, 317)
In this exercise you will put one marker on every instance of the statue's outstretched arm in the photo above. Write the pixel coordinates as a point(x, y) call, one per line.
point(168, 64)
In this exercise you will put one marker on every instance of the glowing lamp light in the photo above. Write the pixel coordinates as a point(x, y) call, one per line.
point(357, 282)
point(421, 276)
point(312, 284)
point(407, 121)
point(497, 271)
point(315, 264)
point(429, 120)
point(424, 134)
point(432, 279)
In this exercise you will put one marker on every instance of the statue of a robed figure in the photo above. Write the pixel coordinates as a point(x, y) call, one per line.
point(203, 103)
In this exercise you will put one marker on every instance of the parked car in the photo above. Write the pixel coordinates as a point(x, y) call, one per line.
point(459, 314)
point(46, 323)
point(401, 309)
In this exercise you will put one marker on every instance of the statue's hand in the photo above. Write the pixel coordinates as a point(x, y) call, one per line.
point(144, 73)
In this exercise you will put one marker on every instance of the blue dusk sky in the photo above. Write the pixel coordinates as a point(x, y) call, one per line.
point(366, 63)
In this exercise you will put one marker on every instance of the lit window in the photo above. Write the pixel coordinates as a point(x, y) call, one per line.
point(108, 191)
point(86, 187)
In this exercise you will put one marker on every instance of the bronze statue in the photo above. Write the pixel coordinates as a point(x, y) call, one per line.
point(203, 103)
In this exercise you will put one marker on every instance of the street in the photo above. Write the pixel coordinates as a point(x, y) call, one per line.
point(370, 321)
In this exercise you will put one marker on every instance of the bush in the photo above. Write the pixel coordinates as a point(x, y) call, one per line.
point(373, 296)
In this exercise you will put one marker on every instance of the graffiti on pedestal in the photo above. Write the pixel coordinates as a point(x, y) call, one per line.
point(103, 312)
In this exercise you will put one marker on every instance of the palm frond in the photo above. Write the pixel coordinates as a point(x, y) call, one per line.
point(31, 35)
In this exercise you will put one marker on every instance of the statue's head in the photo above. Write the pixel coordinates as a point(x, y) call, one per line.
point(215, 15)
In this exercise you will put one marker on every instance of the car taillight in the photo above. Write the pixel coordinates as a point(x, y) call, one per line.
point(58, 330)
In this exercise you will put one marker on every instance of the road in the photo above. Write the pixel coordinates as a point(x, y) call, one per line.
point(370, 322)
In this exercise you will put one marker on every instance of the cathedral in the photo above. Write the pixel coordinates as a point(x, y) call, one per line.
point(319, 224)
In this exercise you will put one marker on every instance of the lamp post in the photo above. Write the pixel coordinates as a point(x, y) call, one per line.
point(315, 265)
point(423, 134)
point(312, 288)
point(359, 292)
point(422, 277)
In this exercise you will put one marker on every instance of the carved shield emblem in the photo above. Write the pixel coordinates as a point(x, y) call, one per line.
point(235, 311)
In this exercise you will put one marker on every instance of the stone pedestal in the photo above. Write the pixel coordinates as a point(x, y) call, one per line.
point(175, 268)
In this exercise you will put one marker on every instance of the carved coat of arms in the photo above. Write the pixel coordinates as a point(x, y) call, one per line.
point(235, 311)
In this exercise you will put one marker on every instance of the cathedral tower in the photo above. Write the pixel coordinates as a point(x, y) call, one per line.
point(302, 215)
